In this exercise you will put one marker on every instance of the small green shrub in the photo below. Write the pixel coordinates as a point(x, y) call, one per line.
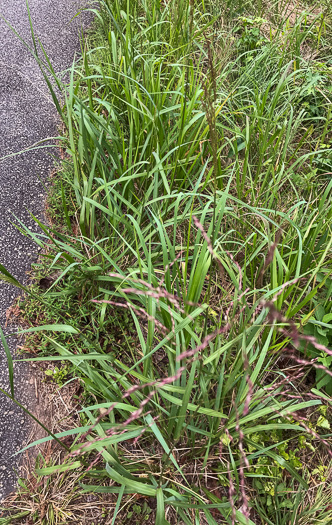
point(251, 38)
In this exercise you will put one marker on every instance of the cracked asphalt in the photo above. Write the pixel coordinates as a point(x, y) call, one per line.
point(27, 115)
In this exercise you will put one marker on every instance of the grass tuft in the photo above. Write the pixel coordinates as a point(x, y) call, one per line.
point(185, 279)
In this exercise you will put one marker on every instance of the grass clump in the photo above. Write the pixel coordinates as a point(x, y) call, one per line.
point(190, 281)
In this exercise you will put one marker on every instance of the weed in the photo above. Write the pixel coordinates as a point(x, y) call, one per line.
point(59, 375)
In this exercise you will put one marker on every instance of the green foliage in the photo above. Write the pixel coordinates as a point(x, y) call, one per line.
point(58, 375)
point(321, 472)
point(319, 325)
point(139, 514)
point(192, 202)
point(316, 90)
point(268, 474)
point(251, 37)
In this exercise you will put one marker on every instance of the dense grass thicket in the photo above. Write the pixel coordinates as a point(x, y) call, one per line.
point(189, 264)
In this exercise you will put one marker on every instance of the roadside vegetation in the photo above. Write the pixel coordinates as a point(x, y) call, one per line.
point(186, 275)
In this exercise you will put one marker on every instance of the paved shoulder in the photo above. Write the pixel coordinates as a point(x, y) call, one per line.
point(27, 115)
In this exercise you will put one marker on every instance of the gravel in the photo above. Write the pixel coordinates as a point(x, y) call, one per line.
point(27, 115)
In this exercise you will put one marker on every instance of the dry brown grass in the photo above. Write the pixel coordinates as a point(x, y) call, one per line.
point(56, 499)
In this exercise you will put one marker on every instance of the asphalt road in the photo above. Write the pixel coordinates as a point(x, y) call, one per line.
point(27, 115)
